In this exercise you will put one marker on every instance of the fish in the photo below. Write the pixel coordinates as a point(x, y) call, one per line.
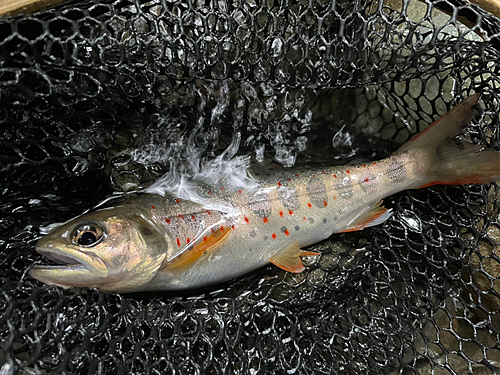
point(151, 242)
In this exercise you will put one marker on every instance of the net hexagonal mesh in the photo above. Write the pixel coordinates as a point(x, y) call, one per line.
point(102, 96)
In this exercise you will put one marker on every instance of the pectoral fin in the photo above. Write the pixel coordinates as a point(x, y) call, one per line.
point(375, 215)
point(288, 258)
point(202, 245)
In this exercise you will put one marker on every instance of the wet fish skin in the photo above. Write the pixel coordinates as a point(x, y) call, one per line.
point(154, 242)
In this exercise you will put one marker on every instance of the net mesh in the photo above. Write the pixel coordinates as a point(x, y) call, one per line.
point(102, 96)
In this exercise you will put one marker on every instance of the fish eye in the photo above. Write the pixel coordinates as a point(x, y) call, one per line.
point(88, 235)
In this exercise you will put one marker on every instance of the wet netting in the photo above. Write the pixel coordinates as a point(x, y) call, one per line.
point(104, 96)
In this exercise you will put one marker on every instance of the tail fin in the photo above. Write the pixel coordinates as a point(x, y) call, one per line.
point(445, 161)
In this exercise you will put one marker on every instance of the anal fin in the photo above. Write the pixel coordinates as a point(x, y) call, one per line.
point(288, 258)
point(375, 215)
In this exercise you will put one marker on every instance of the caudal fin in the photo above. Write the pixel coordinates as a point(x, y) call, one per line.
point(447, 161)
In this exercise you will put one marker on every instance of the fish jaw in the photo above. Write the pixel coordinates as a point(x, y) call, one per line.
point(76, 268)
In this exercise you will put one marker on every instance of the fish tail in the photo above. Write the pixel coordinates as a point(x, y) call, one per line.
point(444, 160)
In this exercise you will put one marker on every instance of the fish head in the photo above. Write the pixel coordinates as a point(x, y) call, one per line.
point(117, 249)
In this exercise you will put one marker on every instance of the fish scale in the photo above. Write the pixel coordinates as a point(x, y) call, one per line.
point(152, 242)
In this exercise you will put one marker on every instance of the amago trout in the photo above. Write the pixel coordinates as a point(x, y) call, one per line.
point(153, 242)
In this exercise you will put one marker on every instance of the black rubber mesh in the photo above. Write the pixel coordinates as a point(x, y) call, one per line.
point(100, 96)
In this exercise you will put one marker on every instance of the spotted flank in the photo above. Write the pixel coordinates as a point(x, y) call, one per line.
point(151, 242)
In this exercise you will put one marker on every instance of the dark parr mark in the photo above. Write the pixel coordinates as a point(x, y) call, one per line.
point(317, 192)
point(343, 185)
point(288, 197)
point(260, 204)
point(396, 171)
point(368, 182)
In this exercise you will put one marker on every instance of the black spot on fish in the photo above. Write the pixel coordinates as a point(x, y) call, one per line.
point(343, 186)
point(265, 238)
point(324, 220)
point(260, 204)
point(311, 220)
point(317, 192)
point(253, 234)
point(297, 227)
point(396, 171)
point(283, 229)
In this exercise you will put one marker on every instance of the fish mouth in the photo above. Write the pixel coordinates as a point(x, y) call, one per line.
point(73, 268)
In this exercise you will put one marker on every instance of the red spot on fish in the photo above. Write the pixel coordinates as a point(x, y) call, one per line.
point(348, 171)
point(204, 238)
point(324, 172)
point(309, 205)
point(232, 226)
point(279, 183)
point(240, 191)
point(209, 213)
point(182, 217)
point(289, 179)
point(325, 203)
point(364, 165)
point(153, 207)
point(274, 236)
point(177, 201)
point(265, 220)
point(374, 163)
point(335, 175)
point(188, 240)
point(193, 217)
point(296, 175)
point(314, 175)
point(334, 197)
point(246, 219)
point(221, 189)
point(178, 242)
point(212, 230)
point(209, 192)
point(367, 180)
point(222, 228)
point(290, 212)
point(304, 218)
point(281, 213)
point(287, 232)
point(168, 221)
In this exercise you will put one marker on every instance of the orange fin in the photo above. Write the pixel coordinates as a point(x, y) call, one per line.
point(201, 246)
point(375, 215)
point(288, 258)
